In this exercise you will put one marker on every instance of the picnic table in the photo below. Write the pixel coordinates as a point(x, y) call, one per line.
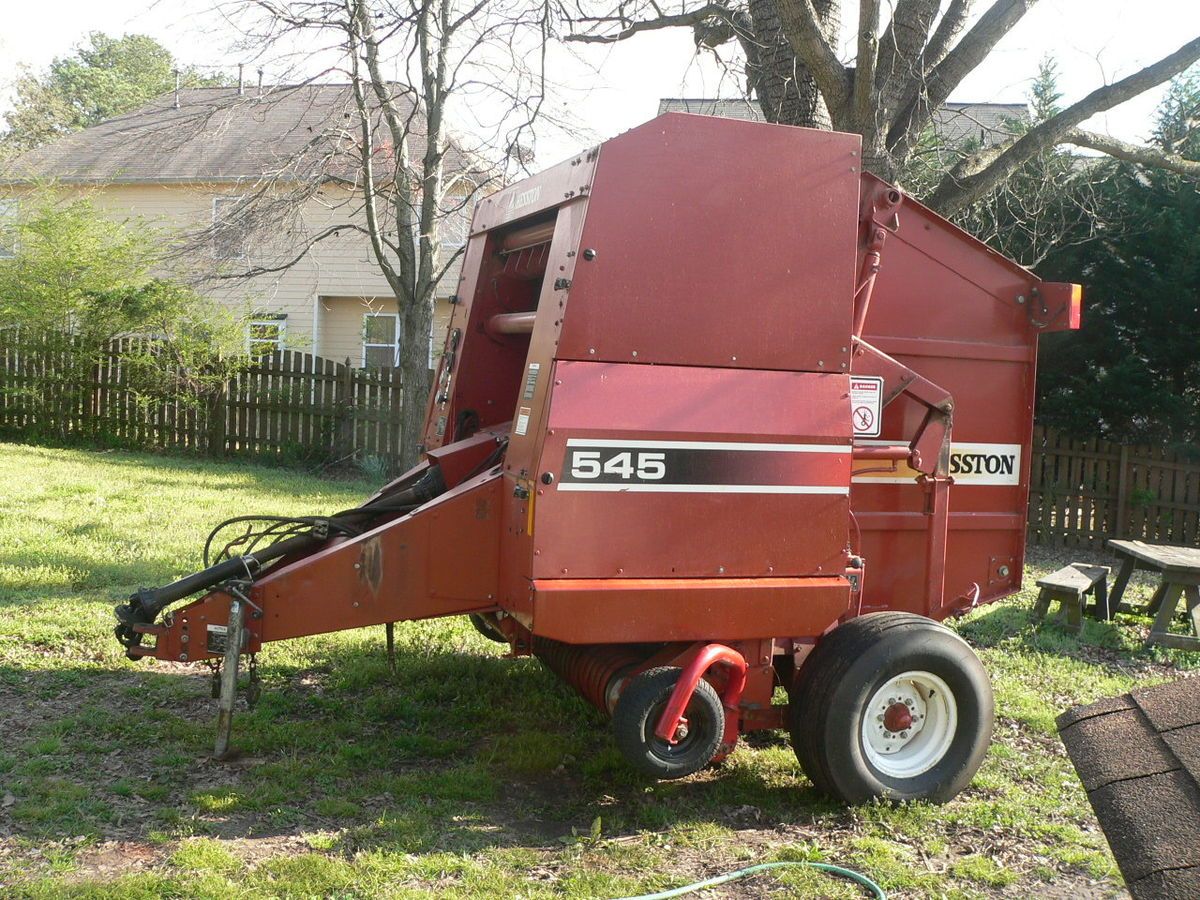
point(1180, 571)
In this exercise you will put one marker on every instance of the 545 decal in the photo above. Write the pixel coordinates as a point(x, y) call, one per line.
point(616, 464)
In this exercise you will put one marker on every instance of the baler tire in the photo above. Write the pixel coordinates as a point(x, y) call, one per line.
point(843, 679)
point(485, 624)
point(637, 713)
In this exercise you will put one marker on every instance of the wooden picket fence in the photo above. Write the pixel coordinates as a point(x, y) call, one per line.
point(301, 408)
point(289, 405)
point(1083, 492)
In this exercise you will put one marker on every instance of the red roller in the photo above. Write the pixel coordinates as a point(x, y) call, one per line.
point(591, 668)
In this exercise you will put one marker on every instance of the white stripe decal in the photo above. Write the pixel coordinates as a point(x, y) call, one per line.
point(707, 488)
point(710, 445)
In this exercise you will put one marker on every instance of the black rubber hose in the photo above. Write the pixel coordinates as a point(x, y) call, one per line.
point(145, 605)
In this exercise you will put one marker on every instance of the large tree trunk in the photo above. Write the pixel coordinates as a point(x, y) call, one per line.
point(784, 87)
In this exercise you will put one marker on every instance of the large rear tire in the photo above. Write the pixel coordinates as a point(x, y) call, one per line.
point(891, 705)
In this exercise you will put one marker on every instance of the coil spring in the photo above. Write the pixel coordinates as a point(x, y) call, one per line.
point(589, 668)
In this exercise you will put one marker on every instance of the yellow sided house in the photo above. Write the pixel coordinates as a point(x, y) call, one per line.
point(259, 191)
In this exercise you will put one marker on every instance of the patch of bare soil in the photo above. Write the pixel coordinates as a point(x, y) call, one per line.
point(110, 859)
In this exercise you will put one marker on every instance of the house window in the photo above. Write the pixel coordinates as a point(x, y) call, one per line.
point(8, 229)
point(228, 229)
point(265, 333)
point(381, 340)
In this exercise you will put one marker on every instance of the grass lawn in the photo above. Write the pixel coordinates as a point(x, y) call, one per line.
point(464, 774)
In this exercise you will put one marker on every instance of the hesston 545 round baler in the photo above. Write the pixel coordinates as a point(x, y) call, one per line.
point(689, 441)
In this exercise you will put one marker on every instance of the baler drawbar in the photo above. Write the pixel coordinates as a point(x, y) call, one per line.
point(717, 414)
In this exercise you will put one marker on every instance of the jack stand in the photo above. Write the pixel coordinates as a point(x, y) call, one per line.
point(229, 679)
point(389, 629)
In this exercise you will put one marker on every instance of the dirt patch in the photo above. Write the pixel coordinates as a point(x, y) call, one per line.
point(109, 859)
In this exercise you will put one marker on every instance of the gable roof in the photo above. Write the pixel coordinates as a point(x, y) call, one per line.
point(954, 123)
point(217, 134)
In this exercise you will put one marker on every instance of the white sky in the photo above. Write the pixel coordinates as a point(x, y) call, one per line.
point(614, 88)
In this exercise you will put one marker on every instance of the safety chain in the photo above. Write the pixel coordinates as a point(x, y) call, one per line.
point(254, 687)
point(214, 666)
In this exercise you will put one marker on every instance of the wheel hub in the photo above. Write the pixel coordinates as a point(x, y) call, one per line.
point(899, 712)
point(909, 724)
point(897, 717)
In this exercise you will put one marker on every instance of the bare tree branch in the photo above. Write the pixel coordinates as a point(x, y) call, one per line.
point(804, 30)
point(900, 49)
point(1150, 157)
point(980, 172)
point(925, 95)
point(951, 24)
point(864, 70)
point(387, 166)
point(632, 27)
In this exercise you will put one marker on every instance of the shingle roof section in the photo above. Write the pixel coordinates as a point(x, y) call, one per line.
point(1138, 757)
point(955, 123)
point(214, 134)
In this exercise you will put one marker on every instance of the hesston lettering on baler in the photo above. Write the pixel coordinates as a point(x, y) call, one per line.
point(694, 424)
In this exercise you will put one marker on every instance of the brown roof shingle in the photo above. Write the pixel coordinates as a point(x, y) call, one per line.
point(215, 134)
point(1138, 757)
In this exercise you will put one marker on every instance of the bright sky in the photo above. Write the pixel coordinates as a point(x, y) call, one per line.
point(615, 88)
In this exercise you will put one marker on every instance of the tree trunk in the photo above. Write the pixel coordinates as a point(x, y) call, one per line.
point(416, 379)
point(784, 87)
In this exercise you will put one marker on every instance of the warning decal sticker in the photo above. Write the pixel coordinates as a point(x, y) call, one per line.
point(866, 404)
point(523, 419)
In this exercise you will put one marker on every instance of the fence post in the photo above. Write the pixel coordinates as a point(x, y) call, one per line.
point(217, 413)
point(346, 423)
point(1123, 492)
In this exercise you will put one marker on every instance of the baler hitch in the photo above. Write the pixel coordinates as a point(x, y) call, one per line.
point(284, 536)
point(145, 604)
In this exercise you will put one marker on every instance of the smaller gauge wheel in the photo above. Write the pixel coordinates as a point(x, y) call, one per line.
point(486, 624)
point(891, 705)
point(636, 715)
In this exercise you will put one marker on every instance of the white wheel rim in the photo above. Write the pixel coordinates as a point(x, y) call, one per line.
point(931, 720)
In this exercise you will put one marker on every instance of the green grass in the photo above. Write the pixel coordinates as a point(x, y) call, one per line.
point(464, 774)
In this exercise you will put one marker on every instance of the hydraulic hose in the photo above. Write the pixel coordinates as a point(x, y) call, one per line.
point(145, 605)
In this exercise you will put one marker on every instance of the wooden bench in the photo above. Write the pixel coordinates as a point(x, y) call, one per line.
point(1069, 585)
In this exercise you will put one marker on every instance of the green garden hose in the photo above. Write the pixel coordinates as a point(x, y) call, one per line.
point(876, 890)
